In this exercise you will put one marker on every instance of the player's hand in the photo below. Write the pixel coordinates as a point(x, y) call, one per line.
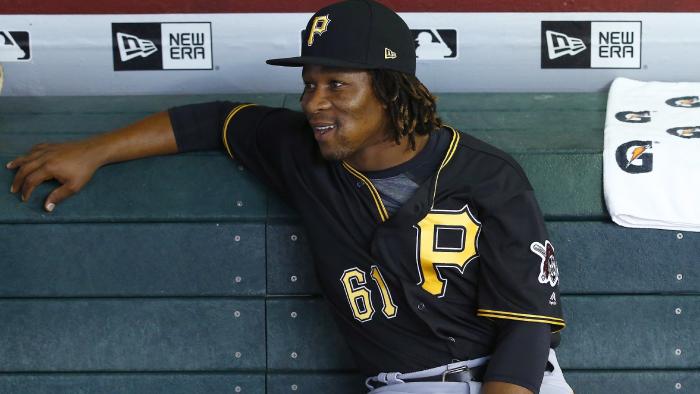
point(72, 164)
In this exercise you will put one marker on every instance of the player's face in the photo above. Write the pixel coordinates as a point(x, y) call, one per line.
point(348, 121)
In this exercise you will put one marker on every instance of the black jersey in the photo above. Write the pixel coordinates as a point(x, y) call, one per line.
point(429, 283)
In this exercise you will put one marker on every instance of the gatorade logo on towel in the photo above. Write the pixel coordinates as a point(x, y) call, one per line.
point(684, 102)
point(635, 157)
point(633, 117)
point(685, 132)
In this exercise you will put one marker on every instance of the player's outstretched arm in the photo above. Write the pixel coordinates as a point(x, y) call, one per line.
point(73, 163)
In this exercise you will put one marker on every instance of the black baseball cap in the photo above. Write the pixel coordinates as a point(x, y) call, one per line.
point(356, 34)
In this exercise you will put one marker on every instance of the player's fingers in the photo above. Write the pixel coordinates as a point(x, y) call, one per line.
point(33, 180)
point(59, 194)
point(39, 147)
point(21, 160)
point(23, 172)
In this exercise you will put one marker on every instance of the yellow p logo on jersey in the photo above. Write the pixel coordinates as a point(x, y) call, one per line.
point(445, 239)
point(318, 26)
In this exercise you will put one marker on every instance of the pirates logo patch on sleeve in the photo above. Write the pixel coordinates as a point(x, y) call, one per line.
point(549, 272)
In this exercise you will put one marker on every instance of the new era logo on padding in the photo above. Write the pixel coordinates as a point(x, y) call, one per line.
point(132, 46)
point(162, 46)
point(559, 44)
point(591, 44)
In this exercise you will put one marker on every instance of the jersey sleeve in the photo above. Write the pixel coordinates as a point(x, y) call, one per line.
point(520, 355)
point(198, 126)
point(519, 276)
point(275, 144)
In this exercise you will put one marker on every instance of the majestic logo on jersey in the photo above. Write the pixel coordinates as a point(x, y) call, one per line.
point(634, 157)
point(684, 102)
point(633, 117)
point(549, 272)
point(685, 132)
point(318, 26)
point(445, 239)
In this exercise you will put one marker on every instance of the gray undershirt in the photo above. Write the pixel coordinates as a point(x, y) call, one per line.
point(396, 185)
point(395, 191)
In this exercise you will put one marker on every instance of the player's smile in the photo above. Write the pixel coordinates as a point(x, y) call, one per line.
point(347, 119)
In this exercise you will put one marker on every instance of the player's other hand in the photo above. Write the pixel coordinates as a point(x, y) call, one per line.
point(72, 164)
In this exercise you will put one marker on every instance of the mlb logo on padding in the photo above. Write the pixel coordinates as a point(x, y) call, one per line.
point(435, 44)
point(14, 46)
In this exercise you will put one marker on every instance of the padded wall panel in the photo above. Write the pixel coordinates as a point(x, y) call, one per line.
point(133, 383)
point(84, 123)
point(593, 257)
point(604, 382)
point(336, 383)
point(137, 259)
point(121, 104)
point(586, 382)
point(651, 326)
point(302, 336)
point(602, 257)
point(132, 334)
point(525, 102)
point(631, 332)
point(566, 186)
point(169, 188)
point(290, 268)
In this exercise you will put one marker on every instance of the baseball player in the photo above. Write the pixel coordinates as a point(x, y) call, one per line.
point(428, 243)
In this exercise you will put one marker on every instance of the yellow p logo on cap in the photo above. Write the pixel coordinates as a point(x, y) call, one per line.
point(318, 26)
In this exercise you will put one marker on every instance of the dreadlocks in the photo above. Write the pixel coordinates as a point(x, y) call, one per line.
point(410, 106)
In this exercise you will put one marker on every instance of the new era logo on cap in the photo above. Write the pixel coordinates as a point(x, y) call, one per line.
point(389, 54)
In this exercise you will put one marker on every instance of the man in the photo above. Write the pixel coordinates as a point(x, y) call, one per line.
point(444, 228)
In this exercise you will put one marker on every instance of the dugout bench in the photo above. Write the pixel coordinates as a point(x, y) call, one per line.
point(182, 274)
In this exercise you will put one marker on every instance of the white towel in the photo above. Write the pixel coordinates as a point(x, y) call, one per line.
point(651, 154)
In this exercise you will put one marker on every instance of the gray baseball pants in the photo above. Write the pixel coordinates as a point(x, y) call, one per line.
point(552, 383)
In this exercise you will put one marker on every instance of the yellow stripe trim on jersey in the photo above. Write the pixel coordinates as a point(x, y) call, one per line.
point(383, 214)
point(230, 116)
point(524, 319)
point(452, 149)
point(448, 156)
point(520, 316)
